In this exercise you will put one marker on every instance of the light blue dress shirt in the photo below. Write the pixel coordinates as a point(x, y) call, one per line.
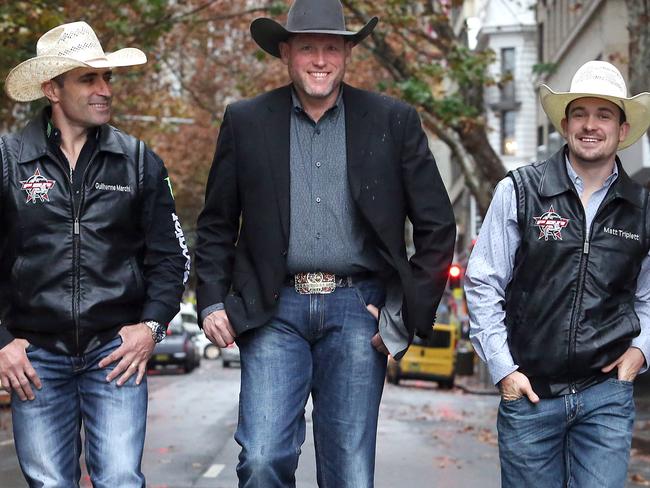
point(490, 270)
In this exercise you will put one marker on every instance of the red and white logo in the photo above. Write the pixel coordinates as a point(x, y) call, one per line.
point(37, 187)
point(551, 224)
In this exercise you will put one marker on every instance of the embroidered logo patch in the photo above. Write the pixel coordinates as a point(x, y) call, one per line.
point(37, 187)
point(550, 225)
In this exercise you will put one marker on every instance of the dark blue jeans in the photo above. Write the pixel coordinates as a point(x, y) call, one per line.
point(580, 440)
point(318, 344)
point(75, 392)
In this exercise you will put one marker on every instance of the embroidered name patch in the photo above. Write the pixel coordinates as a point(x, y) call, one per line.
point(37, 187)
point(622, 233)
point(105, 187)
point(550, 224)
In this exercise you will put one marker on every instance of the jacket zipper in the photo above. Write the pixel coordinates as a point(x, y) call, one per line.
point(76, 235)
point(76, 253)
point(577, 306)
point(76, 245)
point(75, 248)
point(575, 314)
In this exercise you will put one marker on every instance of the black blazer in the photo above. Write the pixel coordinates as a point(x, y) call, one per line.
point(243, 231)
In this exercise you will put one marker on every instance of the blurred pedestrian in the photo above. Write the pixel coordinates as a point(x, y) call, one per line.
point(92, 266)
point(301, 254)
point(558, 288)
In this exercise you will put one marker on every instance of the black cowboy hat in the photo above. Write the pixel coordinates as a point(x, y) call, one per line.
point(307, 17)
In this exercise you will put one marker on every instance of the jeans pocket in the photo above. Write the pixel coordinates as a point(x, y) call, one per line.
point(364, 302)
point(514, 401)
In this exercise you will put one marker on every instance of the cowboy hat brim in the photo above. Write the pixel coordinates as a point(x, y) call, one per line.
point(636, 108)
point(268, 33)
point(23, 84)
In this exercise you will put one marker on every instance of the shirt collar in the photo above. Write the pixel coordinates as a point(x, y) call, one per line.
point(576, 180)
point(297, 104)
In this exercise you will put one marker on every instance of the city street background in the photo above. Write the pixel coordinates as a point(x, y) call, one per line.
point(428, 437)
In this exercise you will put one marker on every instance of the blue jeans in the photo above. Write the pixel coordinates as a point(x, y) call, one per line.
point(75, 392)
point(581, 440)
point(318, 344)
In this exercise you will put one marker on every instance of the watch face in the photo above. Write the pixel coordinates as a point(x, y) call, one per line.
point(160, 333)
point(157, 331)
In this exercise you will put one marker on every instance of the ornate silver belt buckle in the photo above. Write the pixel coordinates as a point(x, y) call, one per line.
point(314, 283)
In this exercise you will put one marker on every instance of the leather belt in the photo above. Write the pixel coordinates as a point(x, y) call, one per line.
point(319, 282)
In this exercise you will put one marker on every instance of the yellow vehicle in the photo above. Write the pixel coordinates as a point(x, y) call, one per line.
point(433, 359)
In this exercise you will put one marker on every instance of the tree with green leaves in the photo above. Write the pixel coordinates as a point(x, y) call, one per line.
point(201, 56)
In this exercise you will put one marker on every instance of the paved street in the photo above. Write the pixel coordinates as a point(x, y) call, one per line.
point(427, 437)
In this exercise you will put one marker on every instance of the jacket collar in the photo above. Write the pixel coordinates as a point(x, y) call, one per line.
point(555, 181)
point(33, 139)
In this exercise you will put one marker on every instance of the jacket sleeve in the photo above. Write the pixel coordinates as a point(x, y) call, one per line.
point(5, 336)
point(218, 223)
point(430, 212)
point(166, 259)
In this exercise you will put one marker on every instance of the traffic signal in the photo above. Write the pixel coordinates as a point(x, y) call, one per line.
point(454, 276)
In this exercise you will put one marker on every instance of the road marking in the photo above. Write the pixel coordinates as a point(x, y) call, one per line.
point(214, 471)
point(7, 442)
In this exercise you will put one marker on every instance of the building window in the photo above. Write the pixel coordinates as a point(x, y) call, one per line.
point(540, 43)
point(508, 141)
point(507, 73)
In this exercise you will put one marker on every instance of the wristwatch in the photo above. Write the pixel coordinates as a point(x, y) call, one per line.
point(157, 330)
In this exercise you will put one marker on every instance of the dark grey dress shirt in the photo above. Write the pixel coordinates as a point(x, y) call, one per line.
point(326, 231)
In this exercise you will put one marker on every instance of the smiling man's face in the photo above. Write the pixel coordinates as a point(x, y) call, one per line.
point(83, 97)
point(593, 130)
point(316, 64)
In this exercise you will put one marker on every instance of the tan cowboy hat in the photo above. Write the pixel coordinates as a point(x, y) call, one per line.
point(62, 49)
point(601, 80)
point(307, 17)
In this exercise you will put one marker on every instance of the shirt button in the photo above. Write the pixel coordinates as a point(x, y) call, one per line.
point(317, 199)
point(318, 164)
point(318, 235)
point(276, 296)
point(284, 253)
point(317, 132)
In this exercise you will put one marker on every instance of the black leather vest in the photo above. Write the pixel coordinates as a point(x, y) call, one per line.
point(570, 304)
point(69, 280)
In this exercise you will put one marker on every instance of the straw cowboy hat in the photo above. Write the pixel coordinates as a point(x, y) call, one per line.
point(307, 17)
point(601, 80)
point(62, 49)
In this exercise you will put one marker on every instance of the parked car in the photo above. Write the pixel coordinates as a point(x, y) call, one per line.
point(177, 349)
point(206, 348)
point(433, 359)
point(190, 323)
point(230, 354)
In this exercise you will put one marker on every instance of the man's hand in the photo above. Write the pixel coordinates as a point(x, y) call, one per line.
point(628, 364)
point(16, 372)
point(516, 385)
point(376, 341)
point(217, 328)
point(133, 354)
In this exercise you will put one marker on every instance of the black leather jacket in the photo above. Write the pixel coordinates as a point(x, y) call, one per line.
point(70, 278)
point(570, 304)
